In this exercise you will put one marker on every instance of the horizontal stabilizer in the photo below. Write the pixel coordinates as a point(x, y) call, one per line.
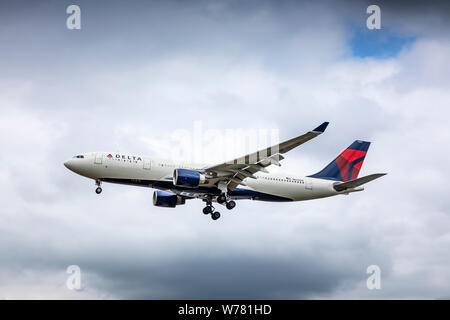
point(357, 182)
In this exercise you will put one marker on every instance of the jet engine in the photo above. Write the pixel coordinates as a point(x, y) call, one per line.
point(188, 178)
point(167, 199)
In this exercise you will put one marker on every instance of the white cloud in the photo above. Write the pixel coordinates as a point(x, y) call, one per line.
point(286, 75)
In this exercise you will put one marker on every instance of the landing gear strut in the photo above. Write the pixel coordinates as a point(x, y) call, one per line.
point(99, 189)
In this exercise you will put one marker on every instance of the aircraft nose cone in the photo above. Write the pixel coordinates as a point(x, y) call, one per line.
point(68, 164)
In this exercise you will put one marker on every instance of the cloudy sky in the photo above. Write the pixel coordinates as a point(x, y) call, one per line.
point(139, 72)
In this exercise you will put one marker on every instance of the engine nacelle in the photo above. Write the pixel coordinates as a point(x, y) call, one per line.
point(188, 178)
point(167, 199)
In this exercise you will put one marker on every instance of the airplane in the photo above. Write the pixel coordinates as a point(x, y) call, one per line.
point(246, 177)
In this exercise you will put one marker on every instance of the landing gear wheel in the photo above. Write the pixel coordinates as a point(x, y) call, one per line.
point(207, 210)
point(230, 204)
point(221, 199)
point(98, 190)
point(215, 215)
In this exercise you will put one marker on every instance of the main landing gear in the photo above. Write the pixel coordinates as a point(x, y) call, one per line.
point(99, 189)
point(209, 209)
point(230, 204)
point(222, 199)
point(215, 215)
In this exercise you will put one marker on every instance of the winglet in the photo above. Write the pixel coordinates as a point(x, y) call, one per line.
point(322, 127)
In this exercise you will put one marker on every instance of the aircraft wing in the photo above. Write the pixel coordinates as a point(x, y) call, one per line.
point(236, 170)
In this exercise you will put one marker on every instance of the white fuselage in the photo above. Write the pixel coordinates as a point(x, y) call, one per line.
point(157, 173)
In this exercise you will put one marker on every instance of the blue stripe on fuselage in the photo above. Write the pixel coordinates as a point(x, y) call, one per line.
point(238, 193)
point(255, 195)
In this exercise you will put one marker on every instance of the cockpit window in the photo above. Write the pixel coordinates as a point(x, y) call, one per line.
point(79, 157)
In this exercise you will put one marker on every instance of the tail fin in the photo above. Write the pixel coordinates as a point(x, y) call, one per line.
point(347, 165)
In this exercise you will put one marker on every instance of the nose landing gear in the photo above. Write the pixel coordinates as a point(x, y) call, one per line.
point(99, 189)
